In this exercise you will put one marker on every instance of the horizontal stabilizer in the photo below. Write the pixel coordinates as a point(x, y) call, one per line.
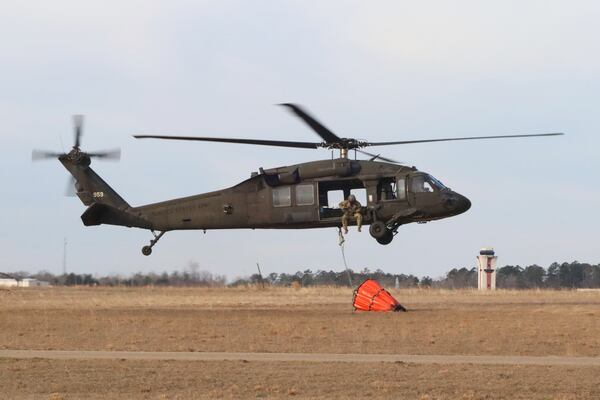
point(99, 213)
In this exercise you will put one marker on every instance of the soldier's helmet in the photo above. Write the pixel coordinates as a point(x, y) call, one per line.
point(351, 198)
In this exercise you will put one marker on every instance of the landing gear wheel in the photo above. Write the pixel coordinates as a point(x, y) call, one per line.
point(387, 239)
point(147, 250)
point(378, 229)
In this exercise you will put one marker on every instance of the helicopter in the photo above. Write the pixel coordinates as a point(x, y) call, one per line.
point(289, 197)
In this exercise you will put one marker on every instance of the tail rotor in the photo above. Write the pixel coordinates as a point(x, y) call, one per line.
point(76, 155)
point(76, 152)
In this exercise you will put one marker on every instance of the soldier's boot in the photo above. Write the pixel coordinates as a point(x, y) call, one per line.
point(358, 220)
point(345, 222)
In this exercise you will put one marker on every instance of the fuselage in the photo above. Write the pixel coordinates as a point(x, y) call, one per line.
point(306, 196)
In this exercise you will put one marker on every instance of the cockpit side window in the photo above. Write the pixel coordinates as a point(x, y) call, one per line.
point(420, 184)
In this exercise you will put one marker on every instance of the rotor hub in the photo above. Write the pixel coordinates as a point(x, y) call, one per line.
point(345, 144)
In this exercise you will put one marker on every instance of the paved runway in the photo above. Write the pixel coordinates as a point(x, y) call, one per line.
point(308, 357)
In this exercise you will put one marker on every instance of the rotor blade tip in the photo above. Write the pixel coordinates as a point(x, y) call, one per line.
point(292, 106)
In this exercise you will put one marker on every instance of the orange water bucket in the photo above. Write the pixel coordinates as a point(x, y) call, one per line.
point(370, 296)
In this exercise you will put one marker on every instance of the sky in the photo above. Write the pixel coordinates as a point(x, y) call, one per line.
point(381, 71)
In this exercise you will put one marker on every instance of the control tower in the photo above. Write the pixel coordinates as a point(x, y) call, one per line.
point(486, 269)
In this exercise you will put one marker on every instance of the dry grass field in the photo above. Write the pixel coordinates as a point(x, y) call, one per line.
point(316, 320)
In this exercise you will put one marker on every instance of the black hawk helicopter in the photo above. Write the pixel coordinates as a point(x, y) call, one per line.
point(291, 197)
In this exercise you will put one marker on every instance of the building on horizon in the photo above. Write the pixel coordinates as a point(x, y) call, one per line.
point(486, 269)
point(8, 281)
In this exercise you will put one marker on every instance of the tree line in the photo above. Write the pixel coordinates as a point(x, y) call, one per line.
point(556, 276)
point(191, 276)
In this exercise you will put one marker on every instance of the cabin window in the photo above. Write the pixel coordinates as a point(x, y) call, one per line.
point(282, 196)
point(360, 195)
point(334, 197)
point(401, 189)
point(305, 195)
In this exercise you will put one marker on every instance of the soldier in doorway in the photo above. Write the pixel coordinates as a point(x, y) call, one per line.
point(352, 209)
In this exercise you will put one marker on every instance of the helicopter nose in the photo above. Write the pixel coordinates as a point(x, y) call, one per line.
point(462, 204)
point(456, 203)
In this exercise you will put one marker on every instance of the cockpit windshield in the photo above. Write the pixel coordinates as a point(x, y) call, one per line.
point(426, 183)
point(439, 185)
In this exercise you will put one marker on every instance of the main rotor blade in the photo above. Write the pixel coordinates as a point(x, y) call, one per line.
point(78, 124)
point(460, 138)
point(318, 127)
point(114, 154)
point(278, 143)
point(37, 155)
point(378, 156)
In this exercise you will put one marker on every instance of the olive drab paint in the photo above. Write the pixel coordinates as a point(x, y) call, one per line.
point(300, 196)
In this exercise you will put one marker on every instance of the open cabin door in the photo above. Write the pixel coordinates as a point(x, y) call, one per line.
point(331, 193)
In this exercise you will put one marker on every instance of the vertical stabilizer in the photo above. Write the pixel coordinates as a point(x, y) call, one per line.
point(90, 188)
